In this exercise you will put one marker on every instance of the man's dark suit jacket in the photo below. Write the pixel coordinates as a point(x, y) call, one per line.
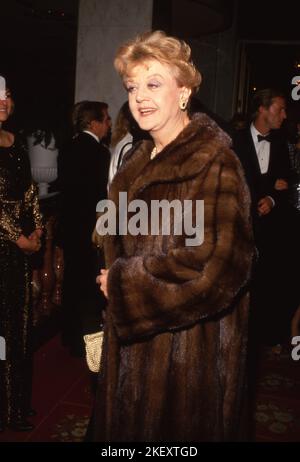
point(83, 173)
point(262, 185)
point(275, 291)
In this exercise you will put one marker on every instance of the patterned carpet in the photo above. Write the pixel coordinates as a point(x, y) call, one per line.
point(278, 398)
point(63, 400)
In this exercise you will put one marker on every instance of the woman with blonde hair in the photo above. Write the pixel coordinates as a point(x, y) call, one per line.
point(173, 359)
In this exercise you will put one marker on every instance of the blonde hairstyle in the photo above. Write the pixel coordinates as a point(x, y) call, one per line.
point(165, 49)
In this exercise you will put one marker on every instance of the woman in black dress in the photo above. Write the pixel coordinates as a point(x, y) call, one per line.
point(20, 232)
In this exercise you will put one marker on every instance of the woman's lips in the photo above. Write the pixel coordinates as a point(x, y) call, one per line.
point(146, 111)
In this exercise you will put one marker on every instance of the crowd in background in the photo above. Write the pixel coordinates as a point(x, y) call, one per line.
point(138, 276)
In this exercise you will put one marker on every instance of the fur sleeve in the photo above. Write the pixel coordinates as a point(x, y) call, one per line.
point(154, 294)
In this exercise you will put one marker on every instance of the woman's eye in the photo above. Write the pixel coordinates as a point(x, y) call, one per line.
point(153, 85)
point(131, 89)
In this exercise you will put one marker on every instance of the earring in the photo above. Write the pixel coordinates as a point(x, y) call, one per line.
point(182, 104)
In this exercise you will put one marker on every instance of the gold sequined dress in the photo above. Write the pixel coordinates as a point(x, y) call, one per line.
point(19, 214)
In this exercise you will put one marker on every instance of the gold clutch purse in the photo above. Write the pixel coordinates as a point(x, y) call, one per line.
point(93, 349)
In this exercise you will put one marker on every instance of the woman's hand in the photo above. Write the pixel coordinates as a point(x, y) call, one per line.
point(102, 281)
point(28, 245)
point(36, 234)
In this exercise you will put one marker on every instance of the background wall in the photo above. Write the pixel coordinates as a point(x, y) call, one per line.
point(216, 56)
point(102, 26)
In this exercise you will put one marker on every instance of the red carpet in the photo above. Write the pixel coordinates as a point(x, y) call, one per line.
point(62, 398)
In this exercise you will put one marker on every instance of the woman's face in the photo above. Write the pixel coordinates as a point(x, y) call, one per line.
point(154, 95)
point(6, 106)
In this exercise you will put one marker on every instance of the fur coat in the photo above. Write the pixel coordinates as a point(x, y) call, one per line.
point(173, 361)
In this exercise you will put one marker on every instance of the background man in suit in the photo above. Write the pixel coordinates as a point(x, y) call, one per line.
point(263, 152)
point(83, 174)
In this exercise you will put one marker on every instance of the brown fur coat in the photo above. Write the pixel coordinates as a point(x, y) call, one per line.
point(173, 363)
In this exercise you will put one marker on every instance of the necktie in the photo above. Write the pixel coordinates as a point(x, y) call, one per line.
point(264, 138)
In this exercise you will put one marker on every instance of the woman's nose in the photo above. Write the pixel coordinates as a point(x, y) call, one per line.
point(140, 95)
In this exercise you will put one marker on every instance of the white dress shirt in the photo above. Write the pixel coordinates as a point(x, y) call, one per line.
point(92, 134)
point(262, 149)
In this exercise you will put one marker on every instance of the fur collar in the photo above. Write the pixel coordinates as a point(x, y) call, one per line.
point(193, 150)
